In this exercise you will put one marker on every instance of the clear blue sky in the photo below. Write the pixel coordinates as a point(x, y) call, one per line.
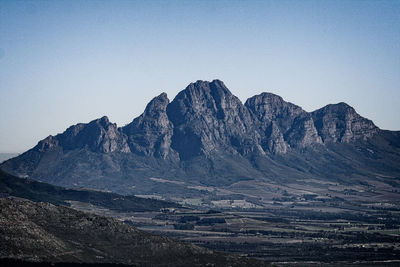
point(64, 62)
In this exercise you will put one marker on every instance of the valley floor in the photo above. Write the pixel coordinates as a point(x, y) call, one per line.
point(299, 234)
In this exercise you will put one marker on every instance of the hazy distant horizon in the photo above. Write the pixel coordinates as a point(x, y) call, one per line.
point(65, 62)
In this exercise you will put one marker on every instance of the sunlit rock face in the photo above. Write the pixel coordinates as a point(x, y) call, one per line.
point(341, 123)
point(99, 135)
point(150, 134)
point(207, 136)
point(206, 118)
point(282, 124)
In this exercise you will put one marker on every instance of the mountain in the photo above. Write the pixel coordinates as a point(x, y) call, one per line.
point(11, 186)
point(42, 232)
point(341, 123)
point(206, 142)
point(6, 156)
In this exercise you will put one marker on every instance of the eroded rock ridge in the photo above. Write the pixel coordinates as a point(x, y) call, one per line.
point(206, 118)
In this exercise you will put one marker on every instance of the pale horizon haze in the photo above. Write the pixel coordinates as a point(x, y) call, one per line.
point(65, 62)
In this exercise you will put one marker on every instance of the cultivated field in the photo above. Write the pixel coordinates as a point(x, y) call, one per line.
point(291, 230)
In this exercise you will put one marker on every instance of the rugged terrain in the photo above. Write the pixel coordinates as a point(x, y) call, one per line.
point(11, 186)
point(207, 144)
point(42, 232)
point(262, 178)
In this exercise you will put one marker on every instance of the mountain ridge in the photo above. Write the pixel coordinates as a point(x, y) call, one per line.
point(267, 112)
point(207, 136)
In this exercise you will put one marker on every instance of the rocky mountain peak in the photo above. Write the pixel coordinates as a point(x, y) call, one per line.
point(207, 134)
point(341, 123)
point(204, 87)
point(341, 109)
point(282, 124)
point(150, 133)
point(268, 106)
point(203, 96)
point(103, 121)
point(207, 117)
point(47, 144)
point(157, 105)
point(99, 135)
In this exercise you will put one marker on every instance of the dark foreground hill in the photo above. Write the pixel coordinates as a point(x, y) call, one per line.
point(42, 232)
point(42, 192)
point(206, 142)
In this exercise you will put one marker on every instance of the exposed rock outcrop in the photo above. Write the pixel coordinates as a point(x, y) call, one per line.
point(206, 135)
point(207, 117)
point(150, 134)
point(98, 135)
point(282, 124)
point(341, 123)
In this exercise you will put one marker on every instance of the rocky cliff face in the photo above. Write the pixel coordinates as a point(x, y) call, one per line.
point(341, 123)
point(98, 136)
point(150, 134)
point(205, 135)
point(281, 124)
point(207, 118)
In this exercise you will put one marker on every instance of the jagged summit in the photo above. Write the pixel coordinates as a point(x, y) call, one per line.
point(99, 135)
point(206, 117)
point(150, 133)
point(157, 104)
point(270, 106)
point(283, 124)
point(205, 134)
point(341, 123)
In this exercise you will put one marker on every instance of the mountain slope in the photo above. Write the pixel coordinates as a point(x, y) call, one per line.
point(6, 156)
point(42, 192)
point(207, 118)
point(206, 137)
point(44, 232)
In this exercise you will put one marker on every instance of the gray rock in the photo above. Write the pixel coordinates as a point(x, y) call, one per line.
point(208, 118)
point(273, 140)
point(281, 124)
point(47, 144)
point(208, 136)
point(98, 135)
point(341, 123)
point(150, 134)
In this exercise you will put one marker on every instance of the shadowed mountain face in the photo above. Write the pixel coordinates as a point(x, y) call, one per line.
point(12, 186)
point(207, 136)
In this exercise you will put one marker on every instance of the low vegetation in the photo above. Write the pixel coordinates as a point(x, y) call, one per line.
point(42, 232)
point(42, 192)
